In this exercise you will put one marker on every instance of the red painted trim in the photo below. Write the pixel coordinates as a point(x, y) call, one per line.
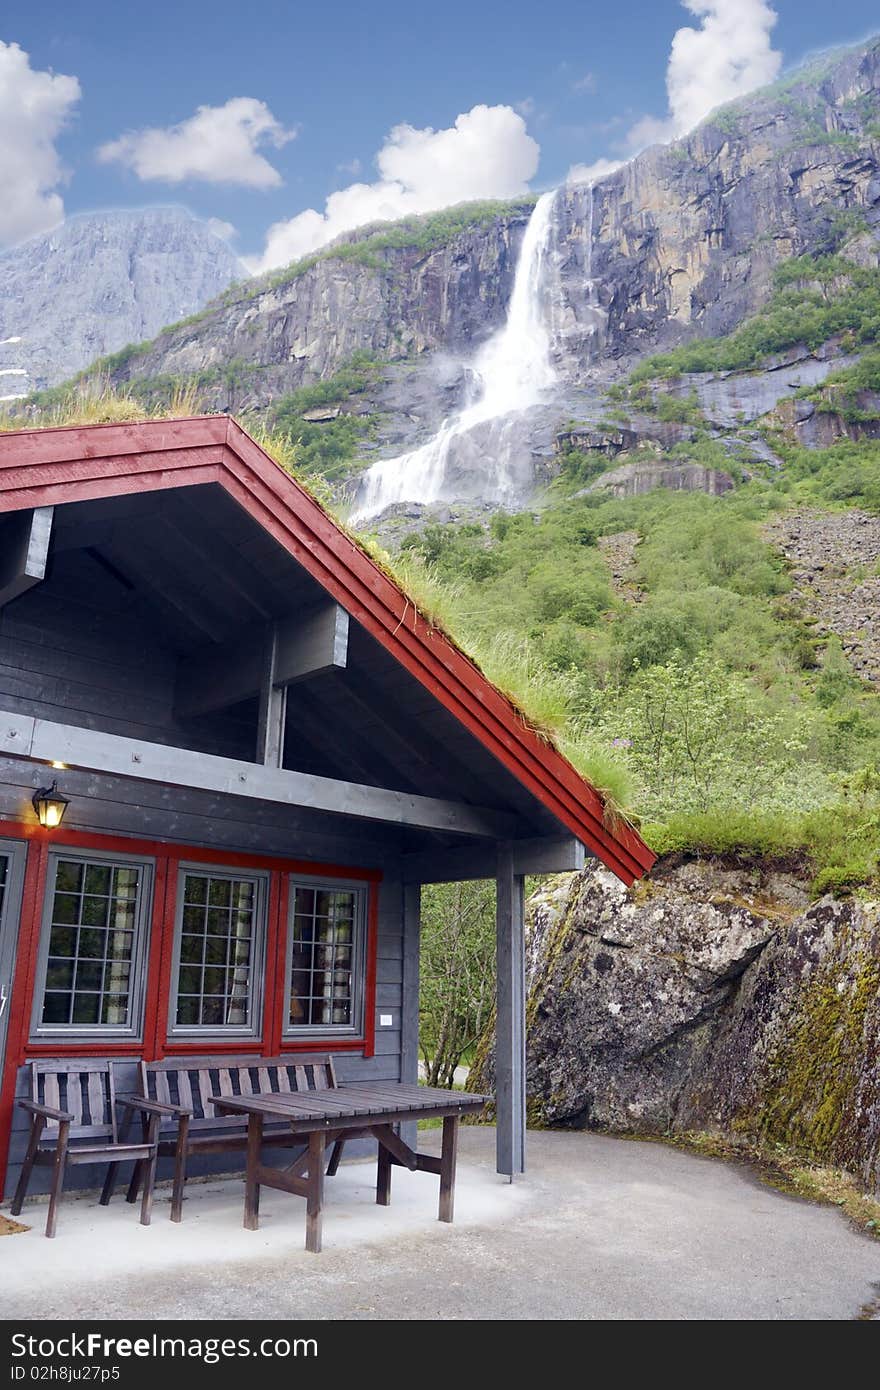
point(20, 997)
point(160, 982)
point(276, 966)
point(196, 854)
point(154, 960)
point(248, 1045)
point(39, 467)
point(46, 1047)
point(370, 981)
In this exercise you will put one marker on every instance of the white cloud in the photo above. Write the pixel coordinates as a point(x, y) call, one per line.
point(219, 144)
point(34, 107)
point(488, 153)
point(587, 83)
point(224, 230)
point(591, 173)
point(729, 55)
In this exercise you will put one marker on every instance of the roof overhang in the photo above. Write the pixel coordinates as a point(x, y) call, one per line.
point(52, 467)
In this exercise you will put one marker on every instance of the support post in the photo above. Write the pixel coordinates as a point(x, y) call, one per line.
point(273, 708)
point(510, 1025)
point(409, 1018)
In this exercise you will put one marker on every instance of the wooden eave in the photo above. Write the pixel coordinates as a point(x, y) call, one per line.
point(53, 467)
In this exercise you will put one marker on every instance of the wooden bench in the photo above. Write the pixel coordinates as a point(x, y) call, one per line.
point(179, 1089)
point(73, 1120)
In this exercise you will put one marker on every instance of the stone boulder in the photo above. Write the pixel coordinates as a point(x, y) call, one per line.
point(714, 995)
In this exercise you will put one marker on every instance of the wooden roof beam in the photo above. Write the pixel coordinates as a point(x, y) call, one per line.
point(24, 551)
point(95, 751)
point(541, 855)
point(303, 645)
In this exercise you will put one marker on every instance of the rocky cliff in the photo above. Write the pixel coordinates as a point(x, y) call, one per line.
point(98, 282)
point(391, 297)
point(682, 240)
point(712, 996)
point(686, 236)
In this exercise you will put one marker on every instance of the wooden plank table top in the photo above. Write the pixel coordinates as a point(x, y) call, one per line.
point(369, 1110)
point(349, 1106)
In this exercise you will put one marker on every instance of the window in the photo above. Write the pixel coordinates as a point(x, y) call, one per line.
point(93, 945)
point(325, 958)
point(219, 952)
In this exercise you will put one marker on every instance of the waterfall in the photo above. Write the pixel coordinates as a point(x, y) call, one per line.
point(510, 374)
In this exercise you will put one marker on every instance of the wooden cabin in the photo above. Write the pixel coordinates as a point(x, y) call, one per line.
point(264, 749)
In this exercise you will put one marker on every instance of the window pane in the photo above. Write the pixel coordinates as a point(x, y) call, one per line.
point(216, 954)
point(304, 900)
point(189, 979)
point(214, 982)
point(212, 1012)
point(126, 883)
point(89, 975)
point(86, 1008)
point(94, 912)
point(56, 1008)
point(114, 1008)
point(92, 944)
point(218, 893)
point(321, 957)
point(62, 941)
point(98, 879)
point(216, 948)
point(196, 889)
point(59, 974)
point(69, 876)
point(66, 908)
point(93, 916)
point(187, 1009)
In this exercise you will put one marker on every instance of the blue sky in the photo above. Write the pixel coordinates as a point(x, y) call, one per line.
point(336, 78)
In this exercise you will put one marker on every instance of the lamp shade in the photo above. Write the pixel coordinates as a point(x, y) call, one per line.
point(50, 806)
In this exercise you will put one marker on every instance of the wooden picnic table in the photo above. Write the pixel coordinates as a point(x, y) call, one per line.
point(370, 1110)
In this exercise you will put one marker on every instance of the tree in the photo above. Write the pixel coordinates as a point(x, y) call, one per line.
point(458, 974)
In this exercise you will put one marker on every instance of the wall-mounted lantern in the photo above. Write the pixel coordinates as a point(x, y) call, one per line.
point(50, 806)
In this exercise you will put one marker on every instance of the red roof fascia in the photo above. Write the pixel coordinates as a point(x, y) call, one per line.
point(68, 464)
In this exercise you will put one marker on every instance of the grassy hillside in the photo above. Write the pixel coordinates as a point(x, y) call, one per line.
point(695, 690)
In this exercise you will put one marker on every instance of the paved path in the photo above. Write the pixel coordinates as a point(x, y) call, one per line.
point(599, 1228)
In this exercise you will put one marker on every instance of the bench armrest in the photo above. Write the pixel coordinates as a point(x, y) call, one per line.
point(152, 1107)
point(47, 1111)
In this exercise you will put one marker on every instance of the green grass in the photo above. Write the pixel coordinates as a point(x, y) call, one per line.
point(837, 844)
point(422, 234)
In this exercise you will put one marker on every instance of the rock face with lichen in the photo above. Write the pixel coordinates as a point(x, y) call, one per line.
point(711, 996)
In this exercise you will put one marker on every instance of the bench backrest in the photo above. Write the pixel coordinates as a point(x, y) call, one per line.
point(84, 1088)
point(191, 1081)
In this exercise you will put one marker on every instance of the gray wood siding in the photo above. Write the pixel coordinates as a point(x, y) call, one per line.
point(60, 660)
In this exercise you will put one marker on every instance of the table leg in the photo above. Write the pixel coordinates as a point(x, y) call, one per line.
point(315, 1199)
point(383, 1177)
point(251, 1186)
point(448, 1155)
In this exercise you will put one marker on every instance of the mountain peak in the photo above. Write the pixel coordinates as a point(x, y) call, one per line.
point(98, 281)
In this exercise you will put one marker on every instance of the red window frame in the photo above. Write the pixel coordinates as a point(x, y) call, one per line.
point(156, 1043)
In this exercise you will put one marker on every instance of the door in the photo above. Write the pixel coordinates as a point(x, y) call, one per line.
point(12, 856)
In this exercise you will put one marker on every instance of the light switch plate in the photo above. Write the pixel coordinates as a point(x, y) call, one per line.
point(385, 1020)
